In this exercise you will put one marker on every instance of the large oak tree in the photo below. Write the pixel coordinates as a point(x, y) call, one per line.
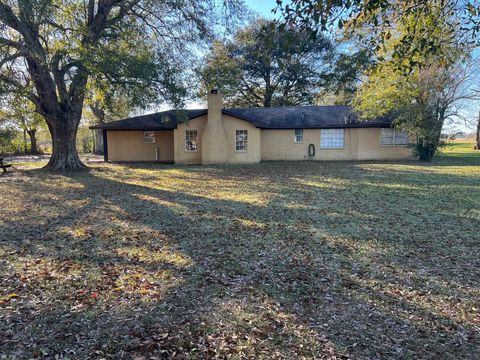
point(51, 49)
point(265, 66)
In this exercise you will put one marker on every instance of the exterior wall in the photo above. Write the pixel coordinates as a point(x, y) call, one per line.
point(183, 156)
point(280, 145)
point(129, 146)
point(229, 126)
point(252, 155)
point(369, 147)
point(360, 144)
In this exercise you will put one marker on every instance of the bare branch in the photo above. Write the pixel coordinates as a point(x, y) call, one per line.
point(10, 43)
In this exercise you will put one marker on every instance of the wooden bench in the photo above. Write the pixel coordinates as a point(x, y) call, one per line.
point(3, 166)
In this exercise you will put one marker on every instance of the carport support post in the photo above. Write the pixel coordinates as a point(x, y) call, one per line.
point(105, 146)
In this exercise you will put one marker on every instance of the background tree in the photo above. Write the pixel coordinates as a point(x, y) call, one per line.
point(50, 49)
point(420, 103)
point(421, 100)
point(20, 113)
point(264, 66)
point(105, 106)
point(347, 74)
point(106, 102)
point(7, 139)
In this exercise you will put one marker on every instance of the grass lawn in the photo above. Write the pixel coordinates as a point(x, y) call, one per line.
point(277, 260)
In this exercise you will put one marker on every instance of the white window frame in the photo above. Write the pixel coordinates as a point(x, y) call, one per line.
point(238, 132)
point(326, 134)
point(187, 132)
point(398, 134)
point(297, 136)
point(394, 135)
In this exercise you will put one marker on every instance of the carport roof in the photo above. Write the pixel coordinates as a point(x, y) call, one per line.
point(289, 117)
point(165, 120)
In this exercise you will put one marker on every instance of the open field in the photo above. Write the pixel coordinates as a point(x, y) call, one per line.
point(277, 260)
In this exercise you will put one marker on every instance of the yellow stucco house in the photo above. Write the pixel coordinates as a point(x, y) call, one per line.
point(250, 135)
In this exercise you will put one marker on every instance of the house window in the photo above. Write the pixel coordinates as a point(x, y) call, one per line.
point(390, 136)
point(332, 138)
point(241, 140)
point(298, 136)
point(401, 138)
point(191, 140)
point(149, 137)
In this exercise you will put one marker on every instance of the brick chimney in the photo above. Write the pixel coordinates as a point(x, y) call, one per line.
point(214, 138)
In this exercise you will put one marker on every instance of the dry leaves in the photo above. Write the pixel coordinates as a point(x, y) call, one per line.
point(277, 260)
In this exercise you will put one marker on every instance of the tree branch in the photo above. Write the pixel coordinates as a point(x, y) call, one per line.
point(11, 43)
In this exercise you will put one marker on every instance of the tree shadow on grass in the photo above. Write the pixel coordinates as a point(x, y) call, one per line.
point(311, 272)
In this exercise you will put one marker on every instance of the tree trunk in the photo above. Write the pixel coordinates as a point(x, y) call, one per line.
point(477, 140)
point(426, 151)
point(33, 141)
point(64, 141)
point(98, 141)
point(99, 114)
point(25, 145)
point(267, 100)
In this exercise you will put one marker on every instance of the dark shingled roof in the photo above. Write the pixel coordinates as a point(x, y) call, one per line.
point(291, 117)
point(305, 117)
point(165, 120)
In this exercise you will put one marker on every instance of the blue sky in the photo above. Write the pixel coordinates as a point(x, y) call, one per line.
point(263, 7)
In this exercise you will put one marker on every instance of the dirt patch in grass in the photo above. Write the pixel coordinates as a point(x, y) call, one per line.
point(276, 260)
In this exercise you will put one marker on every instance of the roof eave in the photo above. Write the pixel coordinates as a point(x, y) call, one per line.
point(108, 126)
point(347, 126)
point(132, 129)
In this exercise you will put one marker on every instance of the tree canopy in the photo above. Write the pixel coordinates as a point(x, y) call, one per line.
point(382, 16)
point(265, 66)
point(51, 49)
point(421, 100)
point(346, 75)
